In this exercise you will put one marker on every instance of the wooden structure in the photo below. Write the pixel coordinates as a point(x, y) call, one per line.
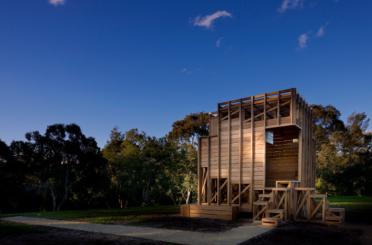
point(259, 157)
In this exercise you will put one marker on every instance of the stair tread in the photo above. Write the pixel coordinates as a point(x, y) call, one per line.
point(265, 195)
point(275, 210)
point(333, 218)
point(260, 202)
point(270, 219)
point(336, 209)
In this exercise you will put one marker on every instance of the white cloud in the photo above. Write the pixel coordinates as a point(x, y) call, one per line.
point(57, 2)
point(218, 42)
point(186, 71)
point(321, 31)
point(208, 20)
point(303, 39)
point(290, 4)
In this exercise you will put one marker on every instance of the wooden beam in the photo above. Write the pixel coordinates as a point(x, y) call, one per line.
point(199, 179)
point(219, 157)
point(293, 105)
point(264, 144)
point(209, 189)
point(229, 170)
point(241, 116)
point(241, 193)
point(278, 111)
point(252, 153)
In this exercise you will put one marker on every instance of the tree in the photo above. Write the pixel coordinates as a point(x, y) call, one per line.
point(326, 121)
point(141, 167)
point(184, 134)
point(190, 128)
point(11, 179)
point(343, 151)
point(60, 162)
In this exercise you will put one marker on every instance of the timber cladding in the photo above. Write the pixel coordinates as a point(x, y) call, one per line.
point(259, 157)
point(254, 142)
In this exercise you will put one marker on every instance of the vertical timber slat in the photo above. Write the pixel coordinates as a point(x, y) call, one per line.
point(278, 110)
point(229, 170)
point(299, 140)
point(264, 143)
point(199, 177)
point(209, 172)
point(252, 153)
point(240, 149)
point(219, 156)
point(230, 161)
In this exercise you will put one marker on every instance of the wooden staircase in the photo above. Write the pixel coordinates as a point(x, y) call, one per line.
point(289, 201)
point(335, 215)
point(261, 206)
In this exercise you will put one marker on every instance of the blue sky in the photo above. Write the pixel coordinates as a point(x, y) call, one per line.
point(144, 64)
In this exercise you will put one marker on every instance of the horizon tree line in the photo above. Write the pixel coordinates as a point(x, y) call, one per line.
point(65, 169)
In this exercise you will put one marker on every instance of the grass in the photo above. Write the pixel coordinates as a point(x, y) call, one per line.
point(358, 208)
point(9, 228)
point(350, 200)
point(105, 216)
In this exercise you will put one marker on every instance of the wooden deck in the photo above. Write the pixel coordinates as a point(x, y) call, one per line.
point(286, 201)
point(223, 212)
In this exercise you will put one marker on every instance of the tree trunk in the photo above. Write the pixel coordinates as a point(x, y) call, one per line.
point(54, 198)
point(66, 190)
point(188, 196)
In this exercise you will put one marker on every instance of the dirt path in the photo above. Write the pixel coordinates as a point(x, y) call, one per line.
point(233, 236)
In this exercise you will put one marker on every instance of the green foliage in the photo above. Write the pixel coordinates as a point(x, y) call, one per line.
point(63, 166)
point(183, 135)
point(146, 170)
point(140, 168)
point(344, 152)
point(11, 180)
point(190, 128)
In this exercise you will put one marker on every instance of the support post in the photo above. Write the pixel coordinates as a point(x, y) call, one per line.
point(252, 153)
point(240, 149)
point(264, 146)
point(209, 172)
point(199, 177)
point(229, 169)
point(219, 156)
point(293, 105)
point(278, 111)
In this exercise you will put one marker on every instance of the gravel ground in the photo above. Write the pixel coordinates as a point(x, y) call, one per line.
point(310, 234)
point(41, 235)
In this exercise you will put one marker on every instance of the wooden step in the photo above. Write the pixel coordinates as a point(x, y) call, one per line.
point(334, 220)
point(263, 196)
point(270, 222)
point(336, 210)
point(261, 203)
point(335, 215)
point(275, 213)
